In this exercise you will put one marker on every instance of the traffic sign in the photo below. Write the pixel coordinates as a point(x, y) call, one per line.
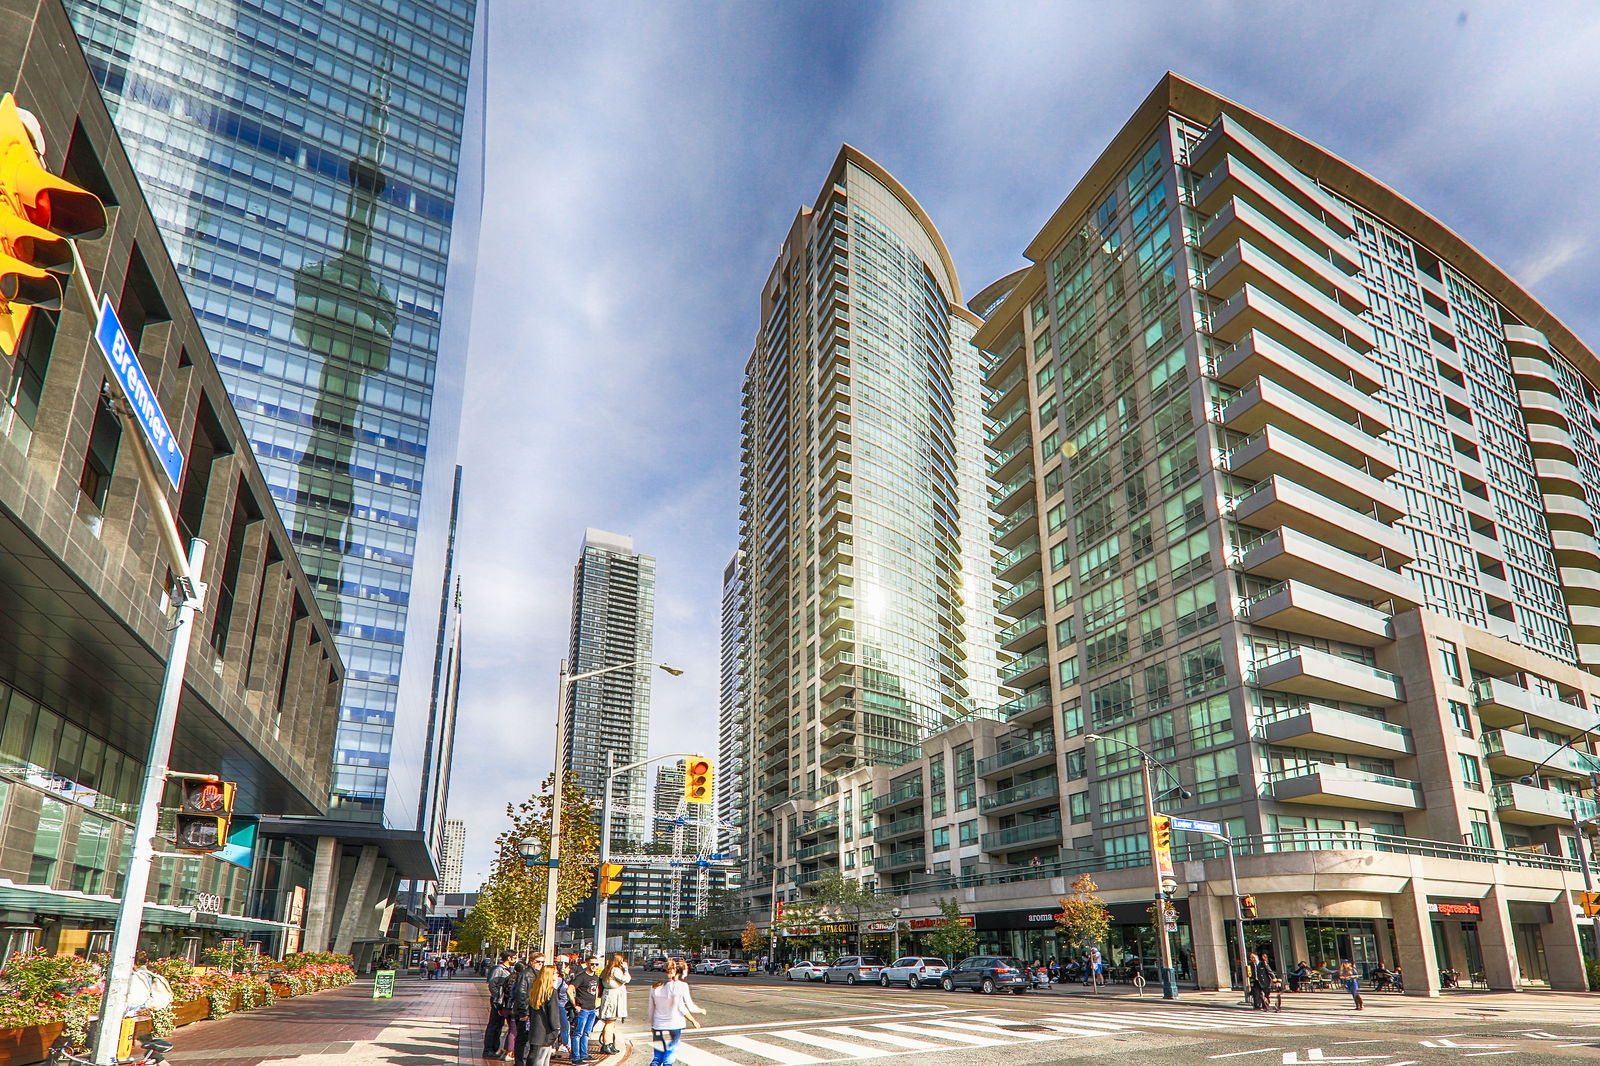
point(1190, 825)
point(136, 387)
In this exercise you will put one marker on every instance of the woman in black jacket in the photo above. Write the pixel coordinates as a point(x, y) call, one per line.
point(543, 1020)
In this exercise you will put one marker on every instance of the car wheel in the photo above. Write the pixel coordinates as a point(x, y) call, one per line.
point(913, 982)
point(827, 977)
point(850, 979)
point(988, 986)
point(948, 985)
point(789, 976)
point(883, 979)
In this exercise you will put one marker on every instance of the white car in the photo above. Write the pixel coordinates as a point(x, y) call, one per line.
point(807, 971)
point(729, 968)
point(705, 966)
point(913, 971)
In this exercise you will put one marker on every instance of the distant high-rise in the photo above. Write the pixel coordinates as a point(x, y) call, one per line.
point(867, 612)
point(666, 803)
point(454, 848)
point(733, 725)
point(613, 616)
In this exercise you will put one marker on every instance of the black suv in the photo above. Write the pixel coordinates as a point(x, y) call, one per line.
point(987, 974)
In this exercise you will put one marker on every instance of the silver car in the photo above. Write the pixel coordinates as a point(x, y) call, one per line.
point(913, 971)
point(806, 971)
point(853, 969)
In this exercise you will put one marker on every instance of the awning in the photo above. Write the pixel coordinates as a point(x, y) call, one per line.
point(66, 903)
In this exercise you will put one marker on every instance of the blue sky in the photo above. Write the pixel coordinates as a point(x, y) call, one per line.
point(646, 159)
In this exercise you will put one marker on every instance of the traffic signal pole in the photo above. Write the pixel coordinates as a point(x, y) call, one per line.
point(1588, 880)
point(130, 909)
point(603, 901)
point(1169, 982)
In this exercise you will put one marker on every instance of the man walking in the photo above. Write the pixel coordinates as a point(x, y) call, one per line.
point(585, 984)
point(1261, 978)
point(499, 1005)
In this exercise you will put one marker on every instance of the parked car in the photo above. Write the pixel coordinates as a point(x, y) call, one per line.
point(658, 963)
point(853, 969)
point(730, 968)
point(987, 974)
point(705, 966)
point(806, 970)
point(913, 971)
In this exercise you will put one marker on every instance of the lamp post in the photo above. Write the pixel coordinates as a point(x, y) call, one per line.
point(1532, 776)
point(896, 913)
point(558, 792)
point(1164, 882)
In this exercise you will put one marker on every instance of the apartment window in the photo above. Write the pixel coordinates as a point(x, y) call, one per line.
point(1471, 772)
point(1072, 719)
point(941, 838)
point(866, 856)
point(1462, 717)
point(1202, 668)
point(1061, 592)
point(1077, 765)
point(967, 832)
point(1450, 659)
point(1078, 806)
point(1067, 672)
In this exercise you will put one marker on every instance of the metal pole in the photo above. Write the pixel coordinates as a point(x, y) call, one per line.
point(1238, 917)
point(1588, 881)
point(600, 914)
point(558, 795)
point(1169, 984)
point(130, 909)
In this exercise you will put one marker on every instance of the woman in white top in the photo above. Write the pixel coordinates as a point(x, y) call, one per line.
point(671, 1007)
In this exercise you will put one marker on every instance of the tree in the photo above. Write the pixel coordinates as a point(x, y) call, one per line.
point(472, 931)
point(512, 900)
point(751, 938)
point(1084, 920)
point(849, 899)
point(952, 939)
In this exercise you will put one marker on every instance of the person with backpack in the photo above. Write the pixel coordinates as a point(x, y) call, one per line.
point(499, 980)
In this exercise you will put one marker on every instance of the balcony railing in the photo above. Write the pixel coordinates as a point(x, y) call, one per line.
point(1022, 626)
point(1337, 772)
point(1026, 833)
point(900, 827)
point(1028, 663)
point(903, 859)
point(1016, 555)
point(903, 794)
point(1041, 789)
point(1010, 522)
point(815, 851)
point(1030, 700)
point(1030, 584)
point(1045, 745)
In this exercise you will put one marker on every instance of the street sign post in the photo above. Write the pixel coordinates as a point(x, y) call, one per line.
point(114, 345)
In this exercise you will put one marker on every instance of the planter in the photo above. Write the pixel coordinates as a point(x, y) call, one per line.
point(194, 1010)
point(281, 989)
point(28, 1044)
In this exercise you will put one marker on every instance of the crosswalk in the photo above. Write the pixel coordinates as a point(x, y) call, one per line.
point(909, 1034)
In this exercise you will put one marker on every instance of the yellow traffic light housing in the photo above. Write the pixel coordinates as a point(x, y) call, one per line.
point(203, 815)
point(1247, 906)
point(697, 780)
point(610, 878)
point(1590, 901)
point(39, 213)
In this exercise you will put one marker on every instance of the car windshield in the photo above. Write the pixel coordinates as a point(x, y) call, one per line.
point(933, 962)
point(871, 960)
point(1015, 964)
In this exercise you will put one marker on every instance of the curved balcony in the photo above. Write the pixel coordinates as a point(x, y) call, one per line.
point(1032, 706)
point(1515, 754)
point(1026, 632)
point(1024, 596)
point(1238, 221)
point(1027, 670)
point(1502, 702)
point(1227, 139)
point(1332, 305)
point(1343, 390)
point(1288, 554)
point(1019, 559)
point(1329, 785)
point(1529, 805)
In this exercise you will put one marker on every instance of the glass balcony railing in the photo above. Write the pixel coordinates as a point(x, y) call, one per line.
point(1028, 663)
point(1022, 626)
point(1043, 788)
point(1017, 554)
point(1026, 833)
point(1030, 584)
point(1336, 772)
point(1004, 491)
point(815, 851)
point(1010, 522)
point(1011, 756)
point(900, 827)
point(903, 794)
point(906, 858)
point(1030, 700)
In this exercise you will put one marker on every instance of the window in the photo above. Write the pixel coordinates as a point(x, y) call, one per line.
point(1203, 668)
point(967, 832)
point(1462, 717)
point(941, 838)
point(47, 841)
point(1450, 659)
point(1481, 835)
point(1471, 773)
point(1078, 806)
point(105, 435)
point(1210, 722)
point(1071, 719)
point(1077, 765)
point(1067, 672)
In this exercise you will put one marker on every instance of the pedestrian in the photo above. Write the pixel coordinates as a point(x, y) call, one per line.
point(564, 1002)
point(544, 1019)
point(613, 1001)
point(585, 984)
point(1351, 981)
point(671, 1007)
point(1299, 976)
point(500, 980)
point(1261, 979)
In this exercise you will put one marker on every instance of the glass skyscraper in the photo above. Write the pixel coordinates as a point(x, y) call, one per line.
point(302, 159)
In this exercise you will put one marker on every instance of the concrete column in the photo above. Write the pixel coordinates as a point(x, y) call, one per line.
point(356, 898)
point(1413, 934)
point(1207, 915)
point(1296, 947)
point(1563, 948)
point(1499, 949)
point(319, 900)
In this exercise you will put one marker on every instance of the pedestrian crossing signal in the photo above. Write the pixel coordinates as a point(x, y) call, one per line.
point(697, 781)
point(1590, 901)
point(1247, 905)
point(610, 878)
point(203, 815)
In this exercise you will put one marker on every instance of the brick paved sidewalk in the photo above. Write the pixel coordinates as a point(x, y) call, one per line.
point(427, 1023)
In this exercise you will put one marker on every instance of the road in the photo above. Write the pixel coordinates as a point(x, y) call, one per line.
point(762, 1022)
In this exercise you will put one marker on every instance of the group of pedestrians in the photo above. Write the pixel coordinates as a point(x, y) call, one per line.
point(443, 966)
point(537, 1008)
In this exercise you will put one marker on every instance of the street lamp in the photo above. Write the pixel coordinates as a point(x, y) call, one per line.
point(1531, 777)
point(896, 913)
point(1163, 875)
point(558, 793)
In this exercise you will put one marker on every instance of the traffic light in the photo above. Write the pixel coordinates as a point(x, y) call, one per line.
point(1161, 825)
point(610, 878)
point(39, 213)
point(1247, 906)
point(203, 813)
point(697, 781)
point(1590, 901)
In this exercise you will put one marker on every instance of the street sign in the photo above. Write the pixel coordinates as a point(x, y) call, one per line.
point(383, 984)
point(136, 387)
point(1190, 825)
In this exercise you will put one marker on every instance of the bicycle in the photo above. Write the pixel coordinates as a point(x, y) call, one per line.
point(155, 1053)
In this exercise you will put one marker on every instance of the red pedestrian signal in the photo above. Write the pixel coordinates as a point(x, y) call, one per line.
point(1247, 905)
point(204, 811)
point(697, 780)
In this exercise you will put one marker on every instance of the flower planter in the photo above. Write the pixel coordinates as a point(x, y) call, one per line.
point(281, 989)
point(28, 1044)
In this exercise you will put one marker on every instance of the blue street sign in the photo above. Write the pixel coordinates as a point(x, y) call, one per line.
point(136, 387)
point(1193, 826)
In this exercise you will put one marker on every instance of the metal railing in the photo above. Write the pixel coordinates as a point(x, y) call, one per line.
point(1045, 745)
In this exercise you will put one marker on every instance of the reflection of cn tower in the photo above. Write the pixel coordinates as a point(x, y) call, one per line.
point(346, 318)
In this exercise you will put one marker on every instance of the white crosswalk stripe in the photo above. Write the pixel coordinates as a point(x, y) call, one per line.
point(772, 1051)
point(844, 1047)
point(697, 1055)
point(892, 1039)
point(942, 1034)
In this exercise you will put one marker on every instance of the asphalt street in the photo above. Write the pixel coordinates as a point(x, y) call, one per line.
point(761, 1022)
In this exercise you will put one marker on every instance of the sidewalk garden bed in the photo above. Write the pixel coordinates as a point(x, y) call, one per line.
point(44, 996)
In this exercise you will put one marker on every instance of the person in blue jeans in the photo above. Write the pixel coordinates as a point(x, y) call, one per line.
point(585, 985)
point(564, 1001)
point(671, 1008)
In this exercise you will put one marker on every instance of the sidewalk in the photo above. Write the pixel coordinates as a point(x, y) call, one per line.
point(427, 1023)
point(1454, 1004)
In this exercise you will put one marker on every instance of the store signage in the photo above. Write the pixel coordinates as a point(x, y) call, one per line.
point(1452, 909)
point(820, 929)
point(918, 925)
point(877, 927)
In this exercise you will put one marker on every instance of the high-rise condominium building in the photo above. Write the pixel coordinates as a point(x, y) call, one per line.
point(867, 590)
point(733, 769)
point(454, 850)
point(302, 160)
point(613, 620)
point(1296, 493)
point(666, 802)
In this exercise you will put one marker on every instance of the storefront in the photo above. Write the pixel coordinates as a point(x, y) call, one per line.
point(1456, 945)
point(1131, 940)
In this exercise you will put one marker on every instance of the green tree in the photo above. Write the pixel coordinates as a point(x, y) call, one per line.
point(850, 900)
point(512, 900)
point(952, 939)
point(1084, 921)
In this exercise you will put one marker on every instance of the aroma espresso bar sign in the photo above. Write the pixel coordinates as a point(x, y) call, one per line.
point(1462, 910)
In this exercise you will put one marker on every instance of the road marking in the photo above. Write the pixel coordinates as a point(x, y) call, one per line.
point(983, 1030)
point(1446, 1042)
point(885, 1038)
point(1291, 1058)
point(822, 1021)
point(771, 1051)
point(800, 1036)
point(1481, 1054)
point(943, 1034)
point(695, 1055)
point(1236, 1054)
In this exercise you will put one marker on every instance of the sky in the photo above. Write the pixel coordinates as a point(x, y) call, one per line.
point(644, 160)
